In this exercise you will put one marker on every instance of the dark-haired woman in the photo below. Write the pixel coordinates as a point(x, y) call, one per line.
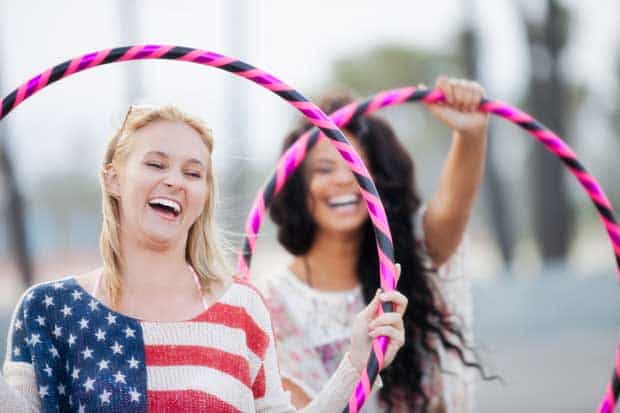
point(322, 221)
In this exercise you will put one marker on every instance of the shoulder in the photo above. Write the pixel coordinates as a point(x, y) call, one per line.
point(47, 294)
point(245, 293)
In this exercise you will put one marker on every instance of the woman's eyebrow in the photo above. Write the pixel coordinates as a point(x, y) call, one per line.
point(196, 161)
point(165, 155)
point(324, 160)
point(157, 153)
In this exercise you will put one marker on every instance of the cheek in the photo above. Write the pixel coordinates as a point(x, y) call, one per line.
point(135, 181)
point(318, 186)
point(199, 196)
point(313, 194)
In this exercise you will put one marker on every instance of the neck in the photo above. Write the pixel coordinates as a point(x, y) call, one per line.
point(148, 267)
point(331, 262)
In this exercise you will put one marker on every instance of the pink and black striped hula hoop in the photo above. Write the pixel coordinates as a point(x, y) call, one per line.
point(294, 98)
point(295, 155)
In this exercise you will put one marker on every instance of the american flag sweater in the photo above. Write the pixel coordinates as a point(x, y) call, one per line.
point(68, 352)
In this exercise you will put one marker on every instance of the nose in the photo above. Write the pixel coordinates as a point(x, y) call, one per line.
point(344, 175)
point(173, 179)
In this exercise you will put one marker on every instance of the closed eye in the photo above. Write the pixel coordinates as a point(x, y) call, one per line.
point(323, 170)
point(155, 165)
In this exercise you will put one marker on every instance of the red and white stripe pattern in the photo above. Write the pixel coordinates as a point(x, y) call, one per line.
point(213, 362)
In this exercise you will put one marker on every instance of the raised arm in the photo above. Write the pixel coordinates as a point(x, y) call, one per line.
point(449, 208)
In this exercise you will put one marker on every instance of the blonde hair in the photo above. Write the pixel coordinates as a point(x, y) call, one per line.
point(203, 251)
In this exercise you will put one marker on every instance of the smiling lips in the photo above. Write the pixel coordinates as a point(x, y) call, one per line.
point(344, 202)
point(167, 208)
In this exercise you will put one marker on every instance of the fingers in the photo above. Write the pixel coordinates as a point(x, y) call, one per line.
point(443, 84)
point(390, 325)
point(470, 102)
point(370, 310)
point(460, 91)
point(394, 334)
point(476, 94)
point(463, 95)
point(386, 319)
point(396, 298)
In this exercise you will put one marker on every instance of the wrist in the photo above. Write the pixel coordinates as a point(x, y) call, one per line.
point(358, 365)
point(478, 132)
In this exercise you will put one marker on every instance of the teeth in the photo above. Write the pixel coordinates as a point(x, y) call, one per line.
point(168, 203)
point(343, 199)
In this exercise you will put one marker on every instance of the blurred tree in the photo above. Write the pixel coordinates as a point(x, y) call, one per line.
point(15, 210)
point(499, 208)
point(394, 66)
point(548, 100)
point(68, 195)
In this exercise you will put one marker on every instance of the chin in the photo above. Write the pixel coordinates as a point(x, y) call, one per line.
point(348, 226)
point(163, 239)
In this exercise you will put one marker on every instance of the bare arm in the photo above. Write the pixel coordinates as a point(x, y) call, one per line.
point(450, 207)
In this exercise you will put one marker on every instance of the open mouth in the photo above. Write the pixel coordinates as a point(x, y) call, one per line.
point(166, 207)
point(344, 201)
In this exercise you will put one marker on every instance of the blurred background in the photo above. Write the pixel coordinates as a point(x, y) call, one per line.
point(546, 298)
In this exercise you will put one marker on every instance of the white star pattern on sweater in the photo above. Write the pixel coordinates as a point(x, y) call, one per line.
point(117, 348)
point(133, 363)
point(103, 364)
point(89, 384)
point(43, 391)
point(100, 334)
point(87, 353)
point(135, 396)
point(66, 311)
point(119, 378)
point(48, 301)
point(83, 323)
point(105, 397)
point(111, 319)
point(77, 295)
point(129, 332)
point(54, 352)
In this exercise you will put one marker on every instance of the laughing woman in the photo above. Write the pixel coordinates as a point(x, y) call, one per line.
point(324, 224)
point(162, 326)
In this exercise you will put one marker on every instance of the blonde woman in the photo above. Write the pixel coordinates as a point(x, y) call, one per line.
point(162, 326)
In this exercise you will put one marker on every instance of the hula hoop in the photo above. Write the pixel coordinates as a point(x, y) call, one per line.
point(309, 110)
point(295, 155)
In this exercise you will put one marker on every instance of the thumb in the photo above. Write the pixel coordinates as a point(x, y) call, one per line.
point(370, 310)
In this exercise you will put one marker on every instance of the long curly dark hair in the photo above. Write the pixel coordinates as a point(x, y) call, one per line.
point(426, 321)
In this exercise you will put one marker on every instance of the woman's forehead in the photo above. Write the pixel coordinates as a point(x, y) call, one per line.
point(172, 138)
point(324, 149)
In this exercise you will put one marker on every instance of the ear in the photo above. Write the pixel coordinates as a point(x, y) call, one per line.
point(111, 180)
